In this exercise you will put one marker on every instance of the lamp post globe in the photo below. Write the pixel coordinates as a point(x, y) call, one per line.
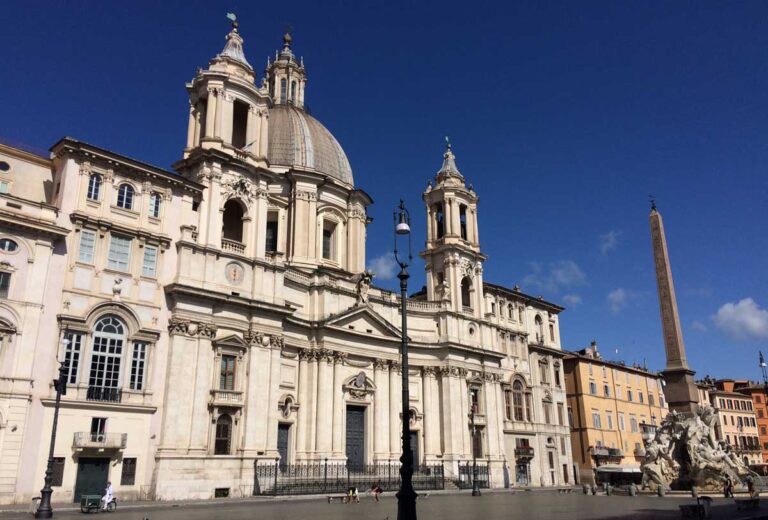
point(406, 496)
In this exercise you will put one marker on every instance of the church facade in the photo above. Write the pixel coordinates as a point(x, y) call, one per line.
point(220, 314)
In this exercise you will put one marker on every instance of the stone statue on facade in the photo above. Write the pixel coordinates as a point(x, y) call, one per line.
point(684, 454)
point(363, 287)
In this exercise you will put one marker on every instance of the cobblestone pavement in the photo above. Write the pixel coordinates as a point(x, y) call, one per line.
point(507, 506)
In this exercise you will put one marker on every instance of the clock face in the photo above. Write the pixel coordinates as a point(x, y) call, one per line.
point(234, 273)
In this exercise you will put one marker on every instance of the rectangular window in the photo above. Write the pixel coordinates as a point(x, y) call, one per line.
point(661, 400)
point(551, 332)
point(606, 391)
point(609, 420)
point(5, 284)
point(329, 245)
point(722, 403)
point(562, 445)
point(621, 422)
point(605, 372)
point(128, 476)
point(240, 125)
point(633, 423)
point(98, 429)
point(590, 368)
point(154, 204)
point(58, 471)
point(560, 414)
point(87, 246)
point(106, 355)
point(119, 253)
point(651, 399)
point(544, 372)
point(596, 420)
point(474, 400)
point(565, 473)
point(547, 413)
point(227, 373)
point(760, 414)
point(592, 388)
point(640, 397)
point(149, 266)
point(271, 240)
point(629, 395)
point(3, 186)
point(72, 356)
point(138, 365)
point(557, 376)
point(508, 404)
point(618, 392)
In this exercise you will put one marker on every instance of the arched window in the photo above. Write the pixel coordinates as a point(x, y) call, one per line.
point(223, 435)
point(8, 245)
point(539, 329)
point(109, 336)
point(517, 400)
point(510, 311)
point(293, 92)
point(283, 91)
point(94, 186)
point(466, 300)
point(233, 221)
point(463, 220)
point(125, 196)
point(439, 220)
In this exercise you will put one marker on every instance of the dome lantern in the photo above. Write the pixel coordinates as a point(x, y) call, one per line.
point(286, 76)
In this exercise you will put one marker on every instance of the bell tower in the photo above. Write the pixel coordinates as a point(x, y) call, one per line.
point(452, 255)
point(227, 111)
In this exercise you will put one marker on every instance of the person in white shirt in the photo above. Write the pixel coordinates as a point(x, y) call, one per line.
point(107, 498)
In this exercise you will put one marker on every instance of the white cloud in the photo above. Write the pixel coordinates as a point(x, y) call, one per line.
point(555, 276)
point(609, 241)
point(572, 299)
point(619, 298)
point(698, 326)
point(742, 320)
point(384, 266)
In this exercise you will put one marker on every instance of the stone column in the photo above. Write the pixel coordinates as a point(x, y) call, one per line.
point(219, 112)
point(381, 411)
point(210, 112)
point(263, 132)
point(191, 125)
point(302, 425)
point(338, 403)
point(324, 403)
point(475, 227)
point(395, 408)
point(251, 131)
point(431, 429)
point(276, 345)
point(462, 391)
point(198, 125)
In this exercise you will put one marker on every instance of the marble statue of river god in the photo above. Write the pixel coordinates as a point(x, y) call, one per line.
point(685, 454)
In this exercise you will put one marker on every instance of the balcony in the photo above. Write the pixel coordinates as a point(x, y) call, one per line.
point(226, 398)
point(479, 419)
point(104, 394)
point(99, 441)
point(606, 453)
point(524, 452)
point(233, 246)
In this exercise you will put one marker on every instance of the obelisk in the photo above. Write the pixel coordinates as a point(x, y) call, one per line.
point(680, 390)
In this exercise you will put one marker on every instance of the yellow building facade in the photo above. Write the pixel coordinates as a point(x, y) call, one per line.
point(611, 408)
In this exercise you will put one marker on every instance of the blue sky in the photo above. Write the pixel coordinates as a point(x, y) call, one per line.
point(563, 115)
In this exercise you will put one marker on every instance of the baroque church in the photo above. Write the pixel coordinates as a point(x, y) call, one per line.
point(219, 315)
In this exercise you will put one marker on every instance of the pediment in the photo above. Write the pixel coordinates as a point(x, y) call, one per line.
point(232, 341)
point(364, 320)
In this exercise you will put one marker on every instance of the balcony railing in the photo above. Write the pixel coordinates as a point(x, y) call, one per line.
point(227, 397)
point(103, 393)
point(232, 245)
point(524, 452)
point(602, 451)
point(102, 441)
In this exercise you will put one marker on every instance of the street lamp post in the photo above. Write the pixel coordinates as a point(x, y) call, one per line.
point(475, 481)
point(406, 496)
point(44, 510)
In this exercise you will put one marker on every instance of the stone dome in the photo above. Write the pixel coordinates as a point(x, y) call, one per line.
point(298, 139)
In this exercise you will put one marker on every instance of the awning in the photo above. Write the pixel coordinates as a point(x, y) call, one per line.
point(615, 468)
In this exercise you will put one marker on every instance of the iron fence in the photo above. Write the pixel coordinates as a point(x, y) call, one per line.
point(272, 478)
point(465, 475)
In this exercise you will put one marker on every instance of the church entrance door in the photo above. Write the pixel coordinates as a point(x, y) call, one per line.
point(355, 436)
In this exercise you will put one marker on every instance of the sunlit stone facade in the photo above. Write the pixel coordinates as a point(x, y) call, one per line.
point(220, 314)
